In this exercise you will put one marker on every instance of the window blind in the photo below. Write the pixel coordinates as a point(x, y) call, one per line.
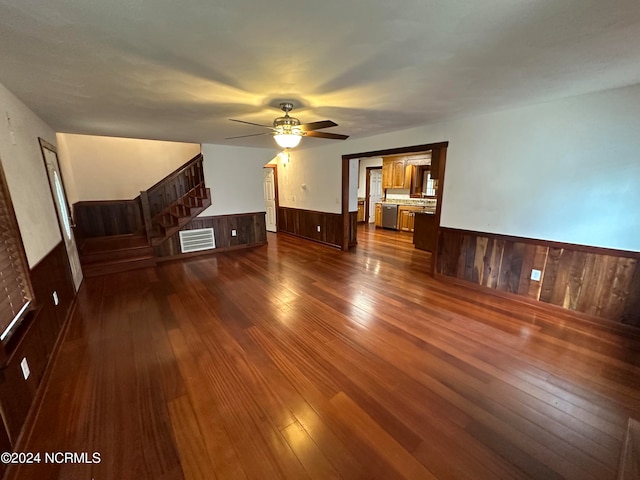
point(15, 289)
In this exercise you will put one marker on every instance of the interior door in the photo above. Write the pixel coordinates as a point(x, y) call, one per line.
point(375, 192)
point(270, 199)
point(50, 156)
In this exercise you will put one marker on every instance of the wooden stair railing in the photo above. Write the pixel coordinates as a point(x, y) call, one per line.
point(171, 203)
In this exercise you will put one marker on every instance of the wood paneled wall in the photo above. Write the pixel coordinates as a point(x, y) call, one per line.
point(304, 223)
point(250, 227)
point(599, 282)
point(112, 217)
point(35, 339)
point(353, 228)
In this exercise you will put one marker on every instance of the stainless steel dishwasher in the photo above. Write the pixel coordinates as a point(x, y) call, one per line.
point(390, 215)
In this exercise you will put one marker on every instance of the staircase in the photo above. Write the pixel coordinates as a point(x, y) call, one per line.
point(173, 218)
point(115, 253)
point(163, 210)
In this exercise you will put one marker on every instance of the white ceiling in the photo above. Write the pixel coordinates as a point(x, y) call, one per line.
point(178, 70)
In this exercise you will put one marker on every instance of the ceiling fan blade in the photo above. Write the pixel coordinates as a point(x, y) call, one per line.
point(331, 136)
point(251, 123)
point(250, 135)
point(307, 127)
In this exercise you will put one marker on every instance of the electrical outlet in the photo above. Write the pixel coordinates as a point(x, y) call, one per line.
point(535, 275)
point(234, 233)
point(318, 228)
point(25, 368)
point(56, 300)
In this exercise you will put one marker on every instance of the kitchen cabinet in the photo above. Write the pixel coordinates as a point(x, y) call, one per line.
point(394, 174)
point(378, 215)
point(415, 183)
point(406, 217)
point(387, 173)
point(361, 210)
point(425, 231)
point(404, 221)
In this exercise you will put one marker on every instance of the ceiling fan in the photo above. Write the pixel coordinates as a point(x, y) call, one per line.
point(288, 131)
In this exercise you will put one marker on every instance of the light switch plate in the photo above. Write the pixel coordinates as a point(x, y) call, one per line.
point(535, 275)
point(234, 233)
point(24, 365)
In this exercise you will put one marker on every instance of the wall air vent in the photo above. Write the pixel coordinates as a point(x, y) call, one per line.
point(196, 240)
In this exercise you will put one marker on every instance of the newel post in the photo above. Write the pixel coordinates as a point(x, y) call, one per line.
point(146, 213)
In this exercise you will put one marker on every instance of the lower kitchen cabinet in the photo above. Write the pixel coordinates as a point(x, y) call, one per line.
point(361, 211)
point(378, 215)
point(406, 217)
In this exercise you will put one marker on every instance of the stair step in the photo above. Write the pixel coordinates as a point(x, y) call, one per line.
point(93, 245)
point(119, 254)
point(116, 266)
point(162, 231)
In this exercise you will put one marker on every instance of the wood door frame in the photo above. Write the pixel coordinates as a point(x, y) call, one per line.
point(44, 145)
point(275, 192)
point(439, 148)
point(367, 195)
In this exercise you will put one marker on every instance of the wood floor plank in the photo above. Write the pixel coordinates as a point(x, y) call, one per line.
point(220, 450)
point(295, 360)
point(308, 452)
point(384, 444)
point(194, 458)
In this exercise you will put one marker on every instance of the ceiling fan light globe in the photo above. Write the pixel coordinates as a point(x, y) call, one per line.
point(287, 140)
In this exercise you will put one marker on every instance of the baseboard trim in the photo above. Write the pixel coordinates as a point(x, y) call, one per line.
point(203, 253)
point(314, 240)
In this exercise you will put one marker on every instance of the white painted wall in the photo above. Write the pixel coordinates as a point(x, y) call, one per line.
point(566, 170)
point(353, 184)
point(235, 177)
point(321, 171)
point(26, 176)
point(362, 180)
point(110, 168)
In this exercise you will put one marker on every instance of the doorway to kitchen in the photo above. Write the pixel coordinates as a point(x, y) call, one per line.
point(373, 193)
point(399, 173)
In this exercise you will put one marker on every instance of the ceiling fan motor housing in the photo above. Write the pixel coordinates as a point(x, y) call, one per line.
point(287, 125)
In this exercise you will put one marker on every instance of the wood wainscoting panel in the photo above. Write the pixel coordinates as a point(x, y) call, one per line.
point(305, 223)
point(111, 217)
point(250, 230)
point(598, 282)
point(35, 339)
point(353, 228)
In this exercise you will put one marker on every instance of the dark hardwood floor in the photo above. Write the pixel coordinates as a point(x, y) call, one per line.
point(296, 360)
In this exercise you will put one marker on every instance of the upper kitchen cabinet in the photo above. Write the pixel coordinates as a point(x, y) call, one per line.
point(393, 172)
point(406, 172)
point(417, 166)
